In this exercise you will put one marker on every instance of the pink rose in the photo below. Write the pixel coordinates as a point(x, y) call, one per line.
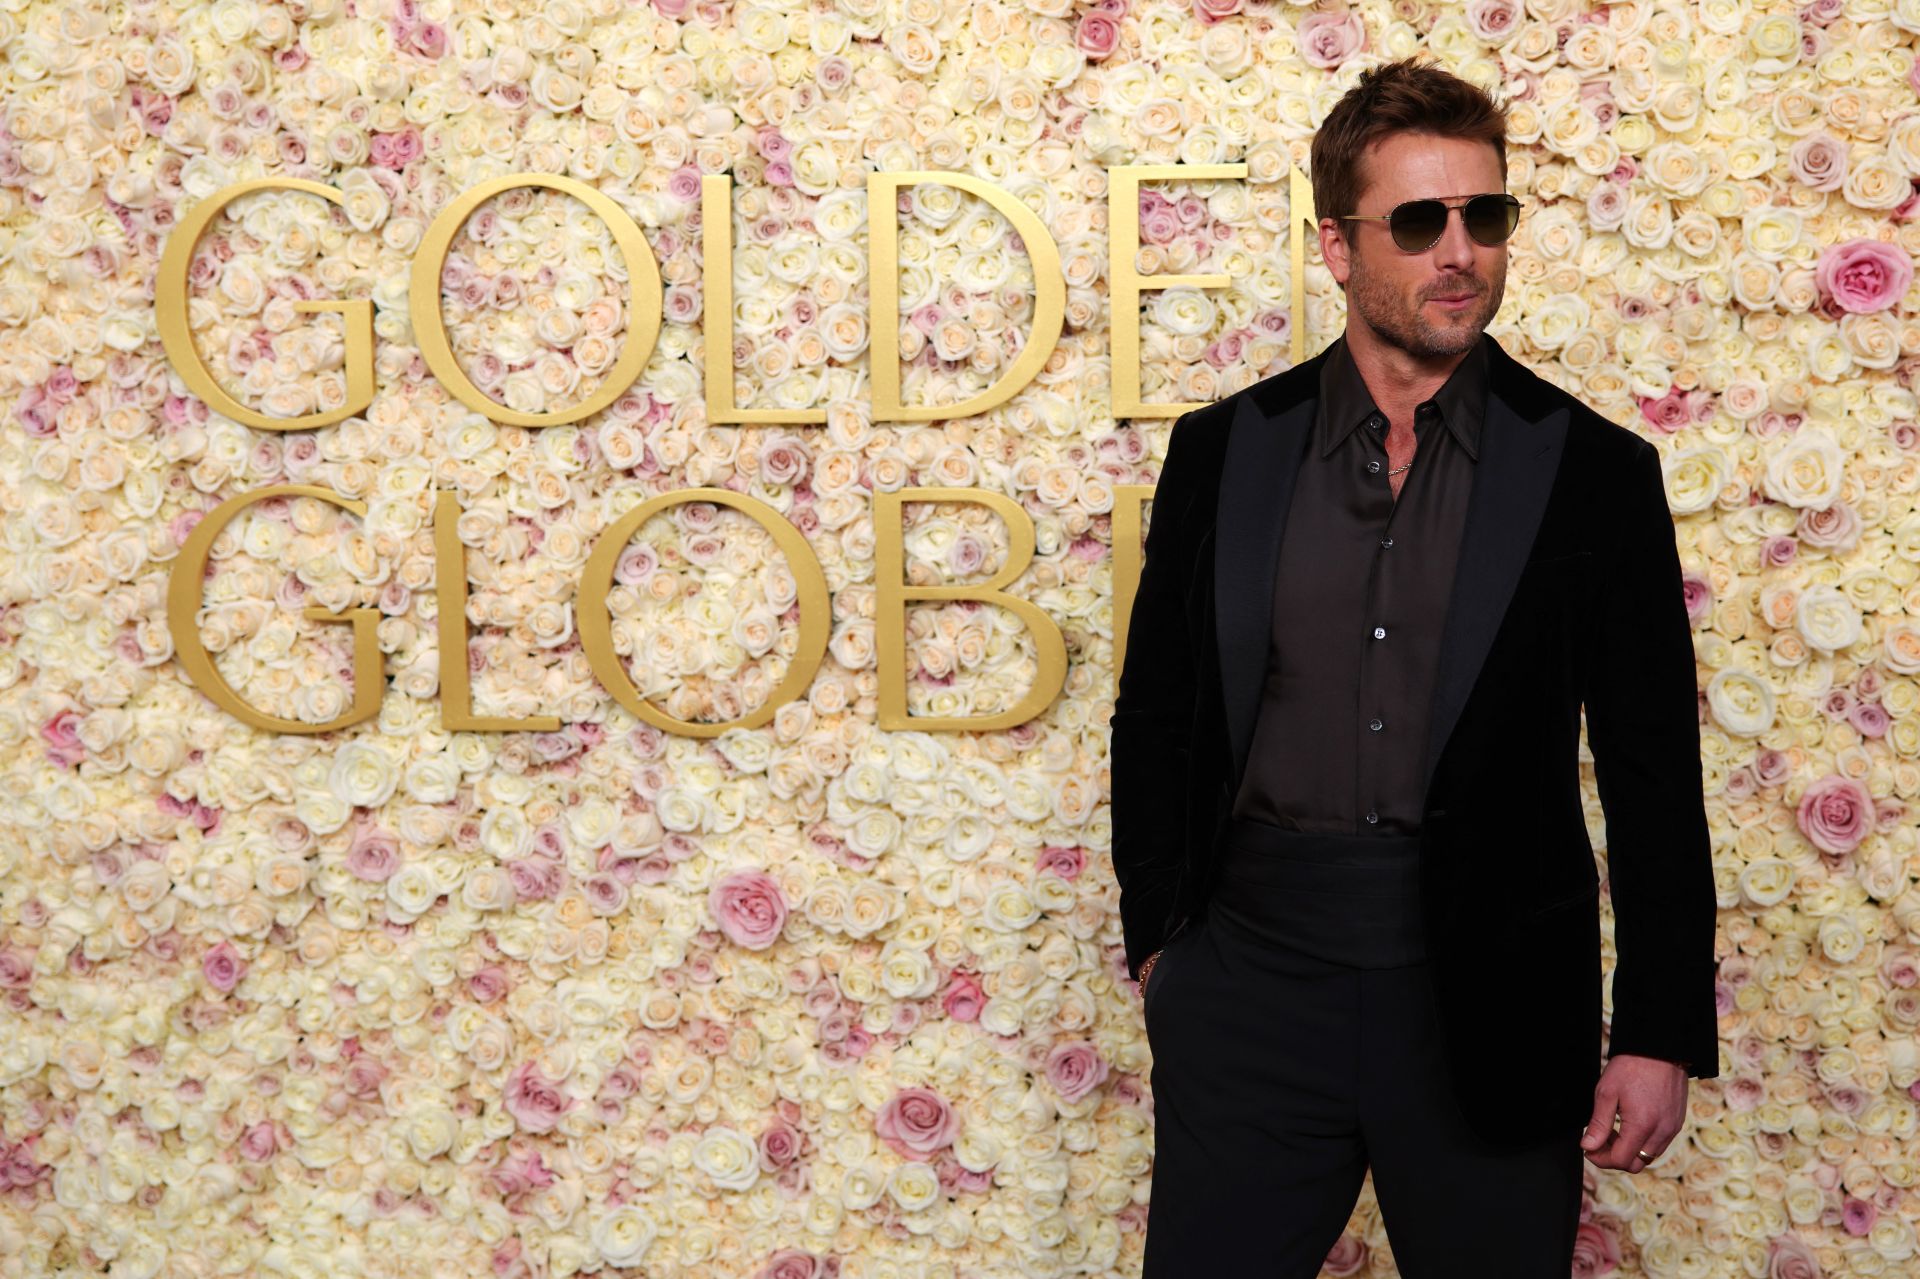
point(1835, 813)
point(1863, 274)
point(535, 878)
point(1835, 527)
point(963, 999)
point(779, 1146)
point(1097, 36)
point(223, 967)
point(1869, 719)
point(364, 1077)
point(749, 908)
point(259, 1142)
point(521, 1171)
point(1329, 39)
point(1789, 1258)
point(1210, 11)
point(425, 39)
point(62, 735)
point(374, 856)
point(917, 1121)
point(1493, 20)
point(535, 1102)
point(790, 1263)
point(1819, 161)
point(1075, 1068)
point(395, 150)
point(1858, 1216)
point(1066, 861)
point(1595, 1251)
point(489, 984)
point(1698, 593)
point(1348, 1256)
point(1668, 413)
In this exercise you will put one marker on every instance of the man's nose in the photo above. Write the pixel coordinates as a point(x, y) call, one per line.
point(1455, 246)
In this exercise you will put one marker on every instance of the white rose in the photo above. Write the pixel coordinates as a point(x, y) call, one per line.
point(363, 775)
point(1694, 477)
point(504, 833)
point(1826, 618)
point(624, 1234)
point(906, 972)
point(914, 1186)
point(430, 1131)
point(434, 779)
point(1770, 230)
point(728, 1157)
point(1807, 470)
point(1009, 908)
point(592, 821)
point(1741, 701)
point(412, 890)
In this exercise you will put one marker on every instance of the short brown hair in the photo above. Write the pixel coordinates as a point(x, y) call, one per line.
point(1408, 96)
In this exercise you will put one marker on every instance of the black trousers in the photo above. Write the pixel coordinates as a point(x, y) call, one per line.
point(1296, 1045)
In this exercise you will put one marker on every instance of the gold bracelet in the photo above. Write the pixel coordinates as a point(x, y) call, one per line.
point(1147, 967)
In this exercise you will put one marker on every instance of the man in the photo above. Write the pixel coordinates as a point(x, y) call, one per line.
point(1356, 885)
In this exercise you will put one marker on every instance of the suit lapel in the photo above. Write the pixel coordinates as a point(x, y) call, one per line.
point(1263, 458)
point(1511, 480)
point(1519, 455)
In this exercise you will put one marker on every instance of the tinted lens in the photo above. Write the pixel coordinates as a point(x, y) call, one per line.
point(1417, 224)
point(1492, 218)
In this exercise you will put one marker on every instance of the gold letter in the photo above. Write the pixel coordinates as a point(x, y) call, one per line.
point(1127, 556)
point(184, 584)
point(430, 327)
point(883, 240)
point(716, 220)
point(892, 594)
point(450, 588)
point(1300, 223)
point(1125, 281)
point(170, 291)
point(596, 626)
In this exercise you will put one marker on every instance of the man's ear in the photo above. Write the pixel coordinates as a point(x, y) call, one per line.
point(1334, 250)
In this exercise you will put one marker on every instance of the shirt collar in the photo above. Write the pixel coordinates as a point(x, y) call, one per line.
point(1345, 401)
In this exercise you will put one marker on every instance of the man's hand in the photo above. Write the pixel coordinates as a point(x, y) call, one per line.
point(1651, 1096)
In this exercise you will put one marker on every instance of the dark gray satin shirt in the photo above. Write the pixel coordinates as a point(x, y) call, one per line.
point(1360, 596)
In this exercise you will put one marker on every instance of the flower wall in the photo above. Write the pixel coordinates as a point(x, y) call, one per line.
point(818, 998)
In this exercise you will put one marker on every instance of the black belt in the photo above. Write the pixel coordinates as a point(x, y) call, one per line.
point(1346, 899)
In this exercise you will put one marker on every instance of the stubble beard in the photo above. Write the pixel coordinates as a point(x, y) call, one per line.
point(1387, 313)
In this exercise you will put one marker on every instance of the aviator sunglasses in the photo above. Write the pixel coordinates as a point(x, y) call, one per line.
point(1418, 224)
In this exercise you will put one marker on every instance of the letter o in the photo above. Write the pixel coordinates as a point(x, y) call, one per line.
point(596, 626)
point(430, 325)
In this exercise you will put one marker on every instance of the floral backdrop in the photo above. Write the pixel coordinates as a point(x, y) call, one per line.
point(819, 998)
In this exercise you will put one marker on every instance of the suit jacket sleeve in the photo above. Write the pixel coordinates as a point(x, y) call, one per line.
point(1643, 731)
point(1153, 711)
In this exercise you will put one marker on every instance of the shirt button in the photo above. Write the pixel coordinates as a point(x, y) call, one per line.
point(1374, 724)
point(1372, 816)
point(1372, 467)
point(1376, 421)
point(1386, 541)
point(1379, 632)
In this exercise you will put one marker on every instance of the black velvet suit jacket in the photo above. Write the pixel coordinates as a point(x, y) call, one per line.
point(1567, 594)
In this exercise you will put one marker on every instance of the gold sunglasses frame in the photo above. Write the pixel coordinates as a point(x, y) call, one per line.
point(1517, 205)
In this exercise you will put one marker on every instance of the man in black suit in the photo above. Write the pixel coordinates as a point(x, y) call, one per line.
point(1379, 589)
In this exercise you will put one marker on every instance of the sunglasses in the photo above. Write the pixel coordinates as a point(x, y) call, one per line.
point(1418, 224)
